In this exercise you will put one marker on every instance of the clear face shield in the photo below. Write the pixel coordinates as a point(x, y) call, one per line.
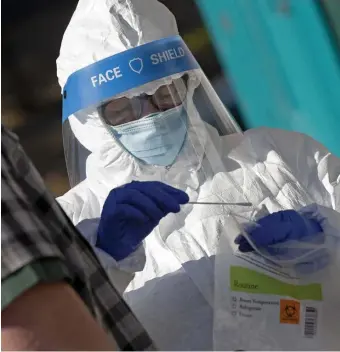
point(153, 103)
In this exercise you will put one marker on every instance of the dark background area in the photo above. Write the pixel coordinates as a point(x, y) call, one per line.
point(31, 96)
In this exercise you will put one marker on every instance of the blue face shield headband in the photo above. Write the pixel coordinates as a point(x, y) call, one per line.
point(115, 75)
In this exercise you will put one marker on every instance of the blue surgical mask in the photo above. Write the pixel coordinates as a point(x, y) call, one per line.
point(156, 139)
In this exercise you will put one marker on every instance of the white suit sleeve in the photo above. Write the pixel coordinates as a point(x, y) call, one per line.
point(316, 168)
point(120, 273)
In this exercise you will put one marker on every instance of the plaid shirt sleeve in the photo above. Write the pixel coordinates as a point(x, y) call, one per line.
point(34, 228)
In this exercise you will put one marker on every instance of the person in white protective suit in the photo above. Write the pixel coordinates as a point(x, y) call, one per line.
point(126, 74)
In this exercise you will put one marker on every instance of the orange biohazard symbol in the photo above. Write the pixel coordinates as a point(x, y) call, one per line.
point(289, 312)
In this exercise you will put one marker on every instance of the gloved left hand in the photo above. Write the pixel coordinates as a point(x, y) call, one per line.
point(131, 212)
point(277, 228)
point(289, 236)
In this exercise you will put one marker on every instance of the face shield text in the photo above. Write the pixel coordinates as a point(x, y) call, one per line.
point(167, 55)
point(105, 77)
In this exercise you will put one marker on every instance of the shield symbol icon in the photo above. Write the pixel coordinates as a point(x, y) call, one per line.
point(136, 65)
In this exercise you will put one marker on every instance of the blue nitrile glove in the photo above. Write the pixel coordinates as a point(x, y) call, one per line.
point(131, 212)
point(300, 231)
point(277, 228)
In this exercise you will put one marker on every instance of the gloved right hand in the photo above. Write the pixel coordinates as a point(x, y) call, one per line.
point(132, 211)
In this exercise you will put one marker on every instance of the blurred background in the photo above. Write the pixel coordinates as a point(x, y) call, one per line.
point(273, 62)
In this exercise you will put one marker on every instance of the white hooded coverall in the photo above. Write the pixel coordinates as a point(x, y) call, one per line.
point(171, 291)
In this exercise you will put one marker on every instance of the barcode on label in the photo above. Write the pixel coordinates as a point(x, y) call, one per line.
point(311, 318)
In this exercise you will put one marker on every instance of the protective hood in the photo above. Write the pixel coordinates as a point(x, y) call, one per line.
point(99, 29)
point(104, 30)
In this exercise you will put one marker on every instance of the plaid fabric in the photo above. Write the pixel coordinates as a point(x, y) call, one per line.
point(35, 227)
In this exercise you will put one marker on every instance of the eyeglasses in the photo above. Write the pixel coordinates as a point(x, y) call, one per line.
point(123, 110)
